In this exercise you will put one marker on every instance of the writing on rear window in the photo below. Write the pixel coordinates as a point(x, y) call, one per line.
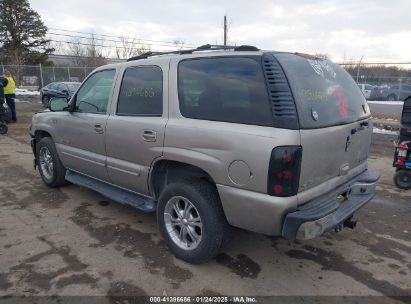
point(313, 95)
point(322, 68)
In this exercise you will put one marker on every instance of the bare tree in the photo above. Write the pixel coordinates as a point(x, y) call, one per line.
point(179, 44)
point(77, 50)
point(94, 52)
point(130, 47)
point(87, 52)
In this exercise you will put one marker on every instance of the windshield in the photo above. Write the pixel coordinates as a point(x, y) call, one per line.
point(325, 94)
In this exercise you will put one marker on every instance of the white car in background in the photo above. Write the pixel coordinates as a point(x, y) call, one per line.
point(366, 89)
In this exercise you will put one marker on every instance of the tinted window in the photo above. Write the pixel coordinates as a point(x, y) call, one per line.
point(141, 92)
point(325, 93)
point(94, 94)
point(224, 89)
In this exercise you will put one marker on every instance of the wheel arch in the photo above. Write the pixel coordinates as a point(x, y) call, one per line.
point(165, 171)
point(39, 134)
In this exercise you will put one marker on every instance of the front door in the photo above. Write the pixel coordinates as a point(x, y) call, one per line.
point(82, 145)
point(135, 131)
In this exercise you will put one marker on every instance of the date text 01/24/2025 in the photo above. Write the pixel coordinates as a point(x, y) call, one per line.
point(203, 299)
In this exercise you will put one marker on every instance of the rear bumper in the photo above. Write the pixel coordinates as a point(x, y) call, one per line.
point(330, 210)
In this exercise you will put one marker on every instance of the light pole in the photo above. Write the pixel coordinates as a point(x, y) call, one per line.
point(359, 66)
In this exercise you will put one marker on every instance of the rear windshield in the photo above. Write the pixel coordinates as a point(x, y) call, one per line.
point(73, 86)
point(325, 94)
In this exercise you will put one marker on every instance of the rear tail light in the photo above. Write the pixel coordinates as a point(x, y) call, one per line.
point(284, 171)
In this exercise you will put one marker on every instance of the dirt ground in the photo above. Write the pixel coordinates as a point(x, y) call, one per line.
point(72, 241)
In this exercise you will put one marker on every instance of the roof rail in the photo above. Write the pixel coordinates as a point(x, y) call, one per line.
point(205, 47)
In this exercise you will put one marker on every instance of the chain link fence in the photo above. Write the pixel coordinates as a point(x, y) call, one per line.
point(34, 77)
point(377, 81)
point(382, 81)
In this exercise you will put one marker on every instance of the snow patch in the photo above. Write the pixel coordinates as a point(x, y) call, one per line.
point(387, 102)
point(384, 131)
point(26, 92)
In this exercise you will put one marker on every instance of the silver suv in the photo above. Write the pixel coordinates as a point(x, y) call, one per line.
point(271, 142)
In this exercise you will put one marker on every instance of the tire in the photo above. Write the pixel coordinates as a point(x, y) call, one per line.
point(52, 173)
point(392, 97)
point(207, 207)
point(3, 128)
point(45, 100)
point(402, 179)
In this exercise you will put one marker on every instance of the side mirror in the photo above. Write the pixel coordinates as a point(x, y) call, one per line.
point(58, 104)
point(65, 92)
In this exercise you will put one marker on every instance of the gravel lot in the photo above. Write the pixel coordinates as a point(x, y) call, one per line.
point(72, 241)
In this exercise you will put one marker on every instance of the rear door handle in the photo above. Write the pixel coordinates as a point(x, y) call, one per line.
point(149, 135)
point(98, 128)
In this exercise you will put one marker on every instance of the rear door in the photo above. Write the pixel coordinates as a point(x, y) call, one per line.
point(135, 131)
point(334, 119)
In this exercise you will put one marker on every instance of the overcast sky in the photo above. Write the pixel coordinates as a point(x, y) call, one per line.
point(379, 30)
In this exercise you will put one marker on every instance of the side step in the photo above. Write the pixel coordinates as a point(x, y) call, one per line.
point(116, 194)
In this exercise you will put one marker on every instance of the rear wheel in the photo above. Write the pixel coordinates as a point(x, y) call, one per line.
point(402, 179)
point(50, 167)
point(45, 100)
point(3, 128)
point(192, 221)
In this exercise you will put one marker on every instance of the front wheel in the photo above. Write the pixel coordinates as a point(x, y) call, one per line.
point(402, 179)
point(50, 167)
point(192, 221)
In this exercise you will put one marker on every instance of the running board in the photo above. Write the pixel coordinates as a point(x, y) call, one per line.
point(116, 194)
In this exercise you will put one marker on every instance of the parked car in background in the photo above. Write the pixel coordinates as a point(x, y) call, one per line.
point(366, 89)
point(398, 92)
point(379, 92)
point(58, 89)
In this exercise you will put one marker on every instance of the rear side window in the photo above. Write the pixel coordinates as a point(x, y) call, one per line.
point(224, 89)
point(325, 94)
point(141, 92)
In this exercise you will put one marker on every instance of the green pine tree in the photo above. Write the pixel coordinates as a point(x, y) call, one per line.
point(22, 34)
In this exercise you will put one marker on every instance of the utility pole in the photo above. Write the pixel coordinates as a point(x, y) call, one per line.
point(225, 30)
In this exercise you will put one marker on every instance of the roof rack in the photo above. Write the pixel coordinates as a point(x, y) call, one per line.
point(205, 47)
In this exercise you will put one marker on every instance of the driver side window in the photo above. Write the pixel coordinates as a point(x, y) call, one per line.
point(94, 94)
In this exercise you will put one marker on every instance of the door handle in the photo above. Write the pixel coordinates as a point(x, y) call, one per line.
point(149, 135)
point(98, 128)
